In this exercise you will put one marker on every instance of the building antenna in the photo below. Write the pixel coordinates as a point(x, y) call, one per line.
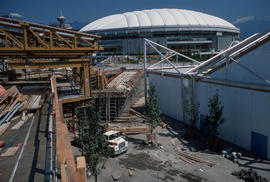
point(61, 19)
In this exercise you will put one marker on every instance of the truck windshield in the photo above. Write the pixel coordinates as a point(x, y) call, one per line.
point(111, 137)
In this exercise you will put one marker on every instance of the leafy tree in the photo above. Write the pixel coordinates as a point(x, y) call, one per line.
point(214, 118)
point(91, 139)
point(193, 110)
point(152, 111)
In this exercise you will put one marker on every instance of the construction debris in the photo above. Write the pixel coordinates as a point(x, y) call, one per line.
point(186, 160)
point(125, 81)
point(116, 175)
point(188, 157)
point(229, 154)
point(130, 173)
point(3, 128)
point(3, 94)
point(132, 111)
point(129, 127)
point(11, 151)
point(18, 125)
point(140, 102)
point(33, 102)
point(22, 121)
point(249, 175)
point(15, 118)
point(13, 102)
point(2, 144)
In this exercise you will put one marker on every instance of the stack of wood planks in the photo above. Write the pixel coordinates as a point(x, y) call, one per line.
point(125, 81)
point(129, 127)
point(191, 159)
point(13, 102)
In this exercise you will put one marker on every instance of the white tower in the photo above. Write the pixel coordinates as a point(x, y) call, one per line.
point(61, 20)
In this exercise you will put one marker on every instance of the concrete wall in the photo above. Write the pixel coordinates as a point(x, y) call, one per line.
point(245, 111)
point(169, 92)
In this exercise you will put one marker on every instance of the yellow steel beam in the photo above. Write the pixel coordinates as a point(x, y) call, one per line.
point(38, 38)
point(64, 40)
point(12, 38)
point(18, 23)
point(41, 64)
point(41, 41)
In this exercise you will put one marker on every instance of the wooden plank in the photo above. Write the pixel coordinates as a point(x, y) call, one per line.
point(63, 145)
point(3, 128)
point(197, 159)
point(21, 122)
point(18, 125)
point(12, 91)
point(16, 117)
point(11, 151)
point(186, 160)
point(81, 168)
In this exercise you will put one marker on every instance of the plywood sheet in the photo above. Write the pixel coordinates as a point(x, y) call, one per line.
point(11, 151)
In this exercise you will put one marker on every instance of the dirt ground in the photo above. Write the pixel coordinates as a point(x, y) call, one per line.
point(162, 162)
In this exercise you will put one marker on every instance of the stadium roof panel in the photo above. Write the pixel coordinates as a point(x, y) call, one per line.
point(156, 18)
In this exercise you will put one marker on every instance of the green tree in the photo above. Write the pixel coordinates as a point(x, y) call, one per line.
point(193, 110)
point(214, 118)
point(152, 111)
point(91, 139)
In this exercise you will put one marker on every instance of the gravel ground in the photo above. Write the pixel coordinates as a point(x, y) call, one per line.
point(162, 163)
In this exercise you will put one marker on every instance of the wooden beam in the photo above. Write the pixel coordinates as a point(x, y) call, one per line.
point(81, 168)
point(63, 146)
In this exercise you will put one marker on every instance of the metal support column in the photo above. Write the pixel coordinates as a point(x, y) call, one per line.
point(145, 73)
point(182, 98)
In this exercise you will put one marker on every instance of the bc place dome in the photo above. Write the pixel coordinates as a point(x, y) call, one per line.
point(173, 19)
point(186, 31)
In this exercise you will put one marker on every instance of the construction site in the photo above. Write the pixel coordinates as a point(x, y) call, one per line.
point(48, 72)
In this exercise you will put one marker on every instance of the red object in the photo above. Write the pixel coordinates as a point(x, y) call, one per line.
point(2, 91)
point(112, 143)
point(3, 94)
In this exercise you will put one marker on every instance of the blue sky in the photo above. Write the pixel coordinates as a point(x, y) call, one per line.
point(46, 11)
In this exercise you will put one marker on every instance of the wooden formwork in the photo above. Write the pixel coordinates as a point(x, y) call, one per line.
point(63, 146)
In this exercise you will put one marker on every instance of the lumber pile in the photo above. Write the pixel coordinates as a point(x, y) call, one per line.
point(3, 94)
point(191, 159)
point(125, 81)
point(10, 151)
point(13, 102)
point(129, 127)
point(139, 103)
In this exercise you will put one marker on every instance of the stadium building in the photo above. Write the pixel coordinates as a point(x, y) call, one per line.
point(182, 30)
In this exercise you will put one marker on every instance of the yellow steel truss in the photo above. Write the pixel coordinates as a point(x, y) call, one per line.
point(22, 39)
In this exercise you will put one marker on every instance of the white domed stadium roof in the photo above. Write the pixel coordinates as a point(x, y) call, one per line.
point(157, 18)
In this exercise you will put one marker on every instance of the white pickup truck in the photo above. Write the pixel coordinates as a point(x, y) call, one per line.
point(116, 142)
